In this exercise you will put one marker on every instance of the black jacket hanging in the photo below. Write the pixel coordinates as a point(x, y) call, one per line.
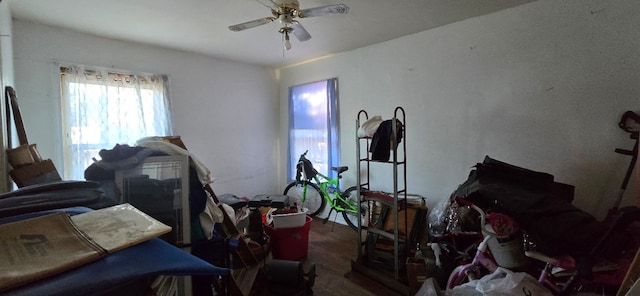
point(381, 142)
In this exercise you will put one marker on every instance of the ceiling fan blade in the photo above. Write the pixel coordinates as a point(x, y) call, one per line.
point(270, 4)
point(300, 32)
point(251, 24)
point(324, 10)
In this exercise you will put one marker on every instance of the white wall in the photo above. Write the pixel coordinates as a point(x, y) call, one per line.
point(6, 79)
point(226, 112)
point(6, 48)
point(541, 86)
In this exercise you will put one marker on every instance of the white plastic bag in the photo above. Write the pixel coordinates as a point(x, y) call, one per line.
point(429, 288)
point(466, 289)
point(210, 216)
point(503, 282)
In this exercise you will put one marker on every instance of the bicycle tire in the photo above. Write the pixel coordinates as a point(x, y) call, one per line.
point(314, 200)
point(350, 218)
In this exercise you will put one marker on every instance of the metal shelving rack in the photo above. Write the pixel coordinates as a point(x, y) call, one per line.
point(396, 201)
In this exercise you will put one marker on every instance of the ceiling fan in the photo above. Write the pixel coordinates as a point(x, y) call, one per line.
point(286, 11)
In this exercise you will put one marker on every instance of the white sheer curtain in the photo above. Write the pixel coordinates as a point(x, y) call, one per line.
point(102, 108)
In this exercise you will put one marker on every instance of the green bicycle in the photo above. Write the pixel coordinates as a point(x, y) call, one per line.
point(315, 190)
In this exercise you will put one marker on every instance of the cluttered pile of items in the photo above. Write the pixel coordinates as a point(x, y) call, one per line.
point(279, 228)
point(28, 167)
point(508, 228)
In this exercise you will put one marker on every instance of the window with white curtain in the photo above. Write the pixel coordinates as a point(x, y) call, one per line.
point(102, 108)
point(313, 125)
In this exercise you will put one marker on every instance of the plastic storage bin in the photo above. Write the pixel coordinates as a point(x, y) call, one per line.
point(290, 243)
point(291, 220)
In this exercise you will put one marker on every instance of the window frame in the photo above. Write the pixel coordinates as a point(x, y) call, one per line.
point(78, 155)
point(331, 129)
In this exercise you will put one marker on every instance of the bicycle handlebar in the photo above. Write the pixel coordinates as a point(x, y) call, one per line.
point(629, 122)
point(304, 155)
point(466, 202)
point(305, 165)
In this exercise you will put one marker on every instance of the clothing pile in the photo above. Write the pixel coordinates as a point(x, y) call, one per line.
point(381, 133)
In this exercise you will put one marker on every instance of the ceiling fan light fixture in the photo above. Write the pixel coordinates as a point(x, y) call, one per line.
point(285, 18)
point(287, 43)
point(285, 32)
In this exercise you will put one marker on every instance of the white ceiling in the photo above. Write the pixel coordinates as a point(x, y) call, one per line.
point(201, 26)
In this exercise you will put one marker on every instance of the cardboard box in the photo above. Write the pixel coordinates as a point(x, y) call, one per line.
point(36, 173)
point(416, 273)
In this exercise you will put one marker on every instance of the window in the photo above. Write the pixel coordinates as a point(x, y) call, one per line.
point(101, 108)
point(313, 125)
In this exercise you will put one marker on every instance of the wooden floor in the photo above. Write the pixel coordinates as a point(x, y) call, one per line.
point(331, 249)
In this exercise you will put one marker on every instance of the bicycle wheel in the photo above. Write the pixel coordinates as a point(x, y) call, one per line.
point(351, 218)
point(314, 201)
